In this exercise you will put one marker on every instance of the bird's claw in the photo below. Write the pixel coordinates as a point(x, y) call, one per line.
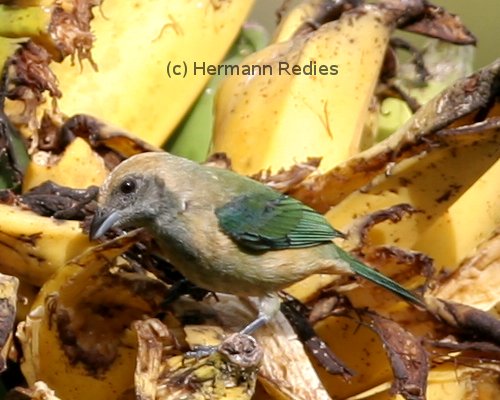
point(201, 351)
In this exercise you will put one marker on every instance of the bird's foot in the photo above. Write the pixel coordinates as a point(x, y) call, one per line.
point(201, 351)
point(254, 325)
point(269, 305)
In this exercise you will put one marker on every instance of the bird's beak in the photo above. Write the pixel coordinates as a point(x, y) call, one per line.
point(103, 220)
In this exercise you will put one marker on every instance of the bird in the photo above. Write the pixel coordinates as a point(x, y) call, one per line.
point(225, 232)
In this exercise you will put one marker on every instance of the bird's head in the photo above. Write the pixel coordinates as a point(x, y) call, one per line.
point(136, 192)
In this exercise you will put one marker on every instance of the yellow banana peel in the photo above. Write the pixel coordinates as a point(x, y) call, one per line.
point(440, 190)
point(310, 97)
point(85, 335)
point(139, 43)
point(71, 345)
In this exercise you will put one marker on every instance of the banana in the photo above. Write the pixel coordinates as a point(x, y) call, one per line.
point(193, 136)
point(455, 242)
point(137, 46)
point(475, 283)
point(443, 193)
point(63, 339)
point(303, 13)
point(320, 112)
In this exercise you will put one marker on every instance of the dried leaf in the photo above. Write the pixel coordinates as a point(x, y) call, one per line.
point(28, 77)
point(468, 321)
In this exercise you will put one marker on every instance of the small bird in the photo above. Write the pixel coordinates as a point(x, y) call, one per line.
point(225, 232)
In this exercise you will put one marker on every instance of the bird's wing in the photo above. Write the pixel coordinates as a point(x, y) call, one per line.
point(269, 220)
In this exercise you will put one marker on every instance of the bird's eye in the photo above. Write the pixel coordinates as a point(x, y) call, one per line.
point(128, 186)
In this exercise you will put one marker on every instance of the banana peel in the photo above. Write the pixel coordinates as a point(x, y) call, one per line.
point(474, 283)
point(443, 214)
point(285, 372)
point(34, 247)
point(71, 342)
point(91, 289)
point(82, 338)
point(448, 382)
point(193, 136)
point(454, 107)
point(229, 373)
point(322, 115)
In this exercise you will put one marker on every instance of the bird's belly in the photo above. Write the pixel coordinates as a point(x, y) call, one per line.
point(246, 274)
point(215, 263)
point(217, 270)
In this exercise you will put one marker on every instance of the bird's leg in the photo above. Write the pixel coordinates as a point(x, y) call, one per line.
point(269, 305)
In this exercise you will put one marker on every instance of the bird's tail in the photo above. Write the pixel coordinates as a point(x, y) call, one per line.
point(376, 277)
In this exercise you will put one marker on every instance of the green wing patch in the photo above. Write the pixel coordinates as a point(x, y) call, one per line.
point(271, 221)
